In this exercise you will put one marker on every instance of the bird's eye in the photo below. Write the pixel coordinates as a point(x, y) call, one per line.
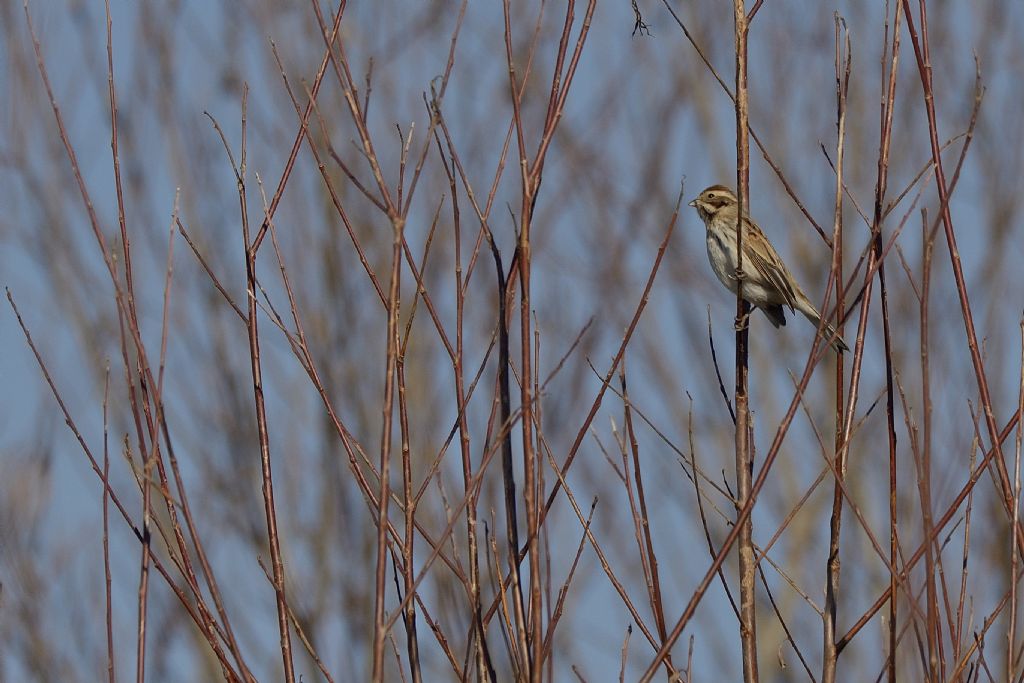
point(711, 195)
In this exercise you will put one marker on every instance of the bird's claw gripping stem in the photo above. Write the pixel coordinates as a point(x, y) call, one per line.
point(741, 321)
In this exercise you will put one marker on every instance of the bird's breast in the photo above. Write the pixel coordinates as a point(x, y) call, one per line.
point(722, 254)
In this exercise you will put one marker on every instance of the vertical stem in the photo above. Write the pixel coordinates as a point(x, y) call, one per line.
point(140, 645)
point(132, 319)
point(744, 461)
point(106, 534)
point(408, 494)
point(519, 650)
point(268, 485)
point(924, 471)
point(409, 540)
point(654, 580)
point(380, 620)
point(888, 106)
point(923, 57)
point(830, 654)
point(1014, 557)
point(530, 498)
point(485, 670)
point(273, 539)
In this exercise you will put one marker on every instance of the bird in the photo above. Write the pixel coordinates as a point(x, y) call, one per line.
point(767, 283)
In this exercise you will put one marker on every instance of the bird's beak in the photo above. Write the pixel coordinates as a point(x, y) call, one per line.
point(693, 204)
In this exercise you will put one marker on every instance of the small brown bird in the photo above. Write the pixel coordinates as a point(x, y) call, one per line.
point(767, 283)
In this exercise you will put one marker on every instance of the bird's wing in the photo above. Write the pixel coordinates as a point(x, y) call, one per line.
point(767, 262)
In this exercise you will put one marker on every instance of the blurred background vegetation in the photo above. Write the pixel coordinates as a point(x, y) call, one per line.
point(642, 115)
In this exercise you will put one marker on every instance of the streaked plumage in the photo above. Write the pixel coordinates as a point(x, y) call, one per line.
point(767, 283)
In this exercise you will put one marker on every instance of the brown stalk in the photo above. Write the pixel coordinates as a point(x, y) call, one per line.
point(625, 651)
point(922, 54)
point(452, 516)
point(888, 106)
point(727, 544)
point(292, 617)
point(436, 97)
point(979, 636)
point(301, 349)
point(343, 74)
point(958, 633)
point(721, 490)
point(343, 214)
point(830, 466)
point(561, 82)
point(605, 384)
point(616, 361)
point(1011, 639)
point(299, 631)
point(695, 480)
point(421, 288)
point(142, 610)
point(408, 545)
point(520, 650)
point(130, 311)
point(563, 591)
point(785, 627)
point(923, 463)
point(744, 429)
point(352, 446)
point(843, 66)
point(937, 528)
point(252, 327)
point(211, 581)
point(878, 264)
point(329, 184)
point(753, 11)
point(209, 271)
point(647, 551)
point(918, 614)
point(546, 654)
point(617, 584)
point(529, 628)
point(380, 626)
point(483, 215)
point(186, 601)
point(494, 572)
point(211, 626)
point(108, 610)
point(718, 371)
point(301, 133)
point(128, 317)
point(890, 207)
point(485, 667)
point(143, 602)
point(341, 65)
point(762, 552)
point(625, 475)
point(530, 170)
point(753, 133)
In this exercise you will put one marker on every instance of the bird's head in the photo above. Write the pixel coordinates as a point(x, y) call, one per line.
point(714, 199)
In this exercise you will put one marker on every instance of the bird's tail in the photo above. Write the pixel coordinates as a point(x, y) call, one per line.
point(828, 331)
